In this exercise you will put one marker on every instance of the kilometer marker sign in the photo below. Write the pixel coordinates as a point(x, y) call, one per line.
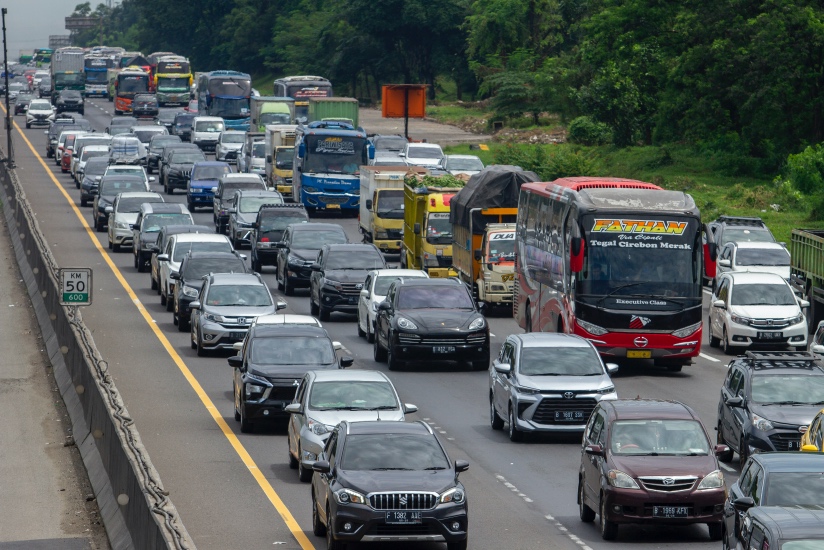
point(75, 286)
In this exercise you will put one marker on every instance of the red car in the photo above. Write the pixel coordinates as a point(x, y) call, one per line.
point(66, 159)
point(649, 461)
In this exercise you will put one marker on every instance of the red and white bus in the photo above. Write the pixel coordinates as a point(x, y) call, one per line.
point(619, 262)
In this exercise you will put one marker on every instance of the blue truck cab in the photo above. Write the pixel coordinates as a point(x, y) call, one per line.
point(326, 168)
point(204, 178)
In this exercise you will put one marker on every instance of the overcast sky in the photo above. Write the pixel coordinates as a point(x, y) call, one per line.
point(30, 22)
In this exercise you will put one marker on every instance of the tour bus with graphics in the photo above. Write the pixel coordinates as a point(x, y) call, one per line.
point(326, 167)
point(618, 262)
point(225, 94)
point(128, 83)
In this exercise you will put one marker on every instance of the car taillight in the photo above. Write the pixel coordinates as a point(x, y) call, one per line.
point(264, 240)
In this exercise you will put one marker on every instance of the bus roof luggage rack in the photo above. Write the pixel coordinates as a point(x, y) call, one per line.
point(581, 183)
point(738, 220)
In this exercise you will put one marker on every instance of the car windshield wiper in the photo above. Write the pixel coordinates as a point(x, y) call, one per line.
point(383, 469)
point(789, 403)
point(436, 468)
point(641, 454)
point(381, 408)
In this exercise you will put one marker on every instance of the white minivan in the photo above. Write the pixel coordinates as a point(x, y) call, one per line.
point(206, 131)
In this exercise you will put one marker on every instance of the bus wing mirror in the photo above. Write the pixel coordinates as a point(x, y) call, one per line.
point(371, 152)
point(576, 254)
point(417, 229)
point(301, 150)
point(710, 250)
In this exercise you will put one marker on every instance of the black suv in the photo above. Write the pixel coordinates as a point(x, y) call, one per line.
point(768, 480)
point(388, 482)
point(243, 210)
point(152, 218)
point(727, 229)
point(182, 126)
point(780, 527)
point(21, 103)
point(70, 100)
point(268, 228)
point(225, 190)
point(156, 144)
point(767, 401)
point(432, 319)
point(107, 190)
point(177, 168)
point(299, 249)
point(270, 366)
point(338, 276)
point(189, 280)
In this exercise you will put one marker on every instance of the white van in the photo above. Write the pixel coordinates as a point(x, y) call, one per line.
point(206, 131)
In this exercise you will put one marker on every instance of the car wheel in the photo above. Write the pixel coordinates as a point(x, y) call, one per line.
point(379, 353)
point(256, 267)
point(483, 364)
point(392, 357)
point(110, 244)
point(141, 263)
point(370, 335)
point(716, 530)
point(76, 183)
point(99, 225)
point(313, 309)
point(609, 529)
point(325, 313)
point(743, 452)
point(514, 433)
point(494, 418)
point(725, 341)
point(725, 545)
point(361, 332)
point(28, 126)
point(84, 202)
point(162, 298)
point(293, 462)
point(719, 438)
point(201, 351)
point(288, 289)
point(714, 342)
point(246, 426)
point(331, 542)
point(236, 400)
point(136, 261)
point(278, 278)
point(303, 474)
point(170, 304)
point(586, 513)
point(318, 528)
point(182, 324)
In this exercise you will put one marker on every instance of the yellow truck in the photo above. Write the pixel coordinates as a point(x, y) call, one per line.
point(483, 216)
point(427, 232)
point(382, 205)
point(280, 152)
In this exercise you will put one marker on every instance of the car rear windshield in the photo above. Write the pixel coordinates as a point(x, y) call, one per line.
point(354, 395)
point(89, 154)
point(794, 489)
point(198, 267)
point(559, 361)
point(370, 452)
point(249, 205)
point(281, 220)
point(232, 185)
point(96, 166)
point(238, 295)
point(115, 187)
point(132, 204)
point(755, 256)
point(181, 249)
point(153, 222)
point(292, 350)
point(790, 389)
point(442, 297)
point(762, 295)
point(659, 437)
point(382, 284)
point(136, 171)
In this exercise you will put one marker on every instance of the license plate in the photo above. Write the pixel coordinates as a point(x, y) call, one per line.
point(670, 511)
point(443, 349)
point(770, 335)
point(333, 206)
point(639, 354)
point(403, 517)
point(794, 445)
point(569, 416)
point(237, 335)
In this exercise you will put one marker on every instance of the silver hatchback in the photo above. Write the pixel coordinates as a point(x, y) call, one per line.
point(547, 382)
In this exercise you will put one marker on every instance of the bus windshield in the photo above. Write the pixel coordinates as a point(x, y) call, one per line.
point(173, 84)
point(231, 108)
point(225, 86)
point(96, 77)
point(653, 257)
point(334, 154)
point(133, 84)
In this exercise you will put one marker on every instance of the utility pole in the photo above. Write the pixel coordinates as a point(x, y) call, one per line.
point(9, 149)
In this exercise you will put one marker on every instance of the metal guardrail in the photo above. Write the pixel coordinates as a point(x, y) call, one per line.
point(135, 508)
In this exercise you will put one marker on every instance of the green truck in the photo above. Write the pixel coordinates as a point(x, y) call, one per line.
point(807, 271)
point(271, 110)
point(339, 109)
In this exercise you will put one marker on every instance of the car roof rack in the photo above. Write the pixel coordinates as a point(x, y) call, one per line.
point(283, 205)
point(782, 359)
point(738, 220)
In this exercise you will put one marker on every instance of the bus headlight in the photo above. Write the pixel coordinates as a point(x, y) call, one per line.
point(590, 328)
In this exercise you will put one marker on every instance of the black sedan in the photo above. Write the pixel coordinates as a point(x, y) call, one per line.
point(430, 319)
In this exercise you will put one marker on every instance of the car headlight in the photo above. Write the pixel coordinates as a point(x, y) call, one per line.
point(797, 319)
point(715, 480)
point(740, 320)
point(294, 261)
point(121, 225)
point(213, 318)
point(525, 389)
point(607, 390)
point(686, 331)
point(762, 424)
point(619, 479)
point(319, 428)
point(333, 284)
point(590, 328)
point(174, 172)
point(477, 324)
point(454, 494)
point(348, 496)
point(309, 189)
point(381, 235)
point(255, 385)
point(406, 324)
point(189, 291)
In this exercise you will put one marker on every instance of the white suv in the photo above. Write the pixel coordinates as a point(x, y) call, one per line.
point(374, 292)
point(754, 257)
point(177, 247)
point(756, 310)
point(428, 155)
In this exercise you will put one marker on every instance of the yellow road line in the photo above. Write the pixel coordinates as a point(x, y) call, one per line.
point(241, 451)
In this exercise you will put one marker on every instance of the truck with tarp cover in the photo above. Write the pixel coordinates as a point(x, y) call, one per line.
point(483, 216)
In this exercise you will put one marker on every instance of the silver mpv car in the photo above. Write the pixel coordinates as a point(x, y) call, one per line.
point(547, 382)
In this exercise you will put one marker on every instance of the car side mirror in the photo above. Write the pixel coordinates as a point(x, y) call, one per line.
point(721, 450)
point(321, 466)
point(152, 179)
point(293, 408)
point(416, 229)
point(803, 303)
point(409, 408)
point(809, 449)
point(817, 348)
point(174, 275)
point(594, 450)
point(235, 361)
point(461, 466)
point(503, 368)
point(364, 293)
point(384, 306)
point(612, 368)
point(337, 345)
point(214, 189)
point(162, 257)
point(269, 159)
point(315, 266)
point(346, 362)
point(478, 255)
point(194, 305)
point(719, 304)
point(742, 504)
point(280, 305)
point(109, 210)
point(233, 211)
point(237, 346)
point(369, 204)
point(724, 263)
point(735, 402)
point(280, 244)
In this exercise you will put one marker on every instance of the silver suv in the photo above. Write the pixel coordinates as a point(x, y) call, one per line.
point(226, 306)
point(547, 382)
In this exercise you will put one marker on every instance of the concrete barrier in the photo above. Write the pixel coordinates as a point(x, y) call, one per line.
point(135, 509)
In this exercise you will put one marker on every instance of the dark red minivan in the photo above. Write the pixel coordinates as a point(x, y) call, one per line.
point(649, 461)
